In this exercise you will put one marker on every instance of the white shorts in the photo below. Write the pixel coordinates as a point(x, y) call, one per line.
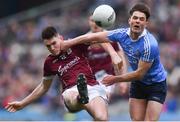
point(99, 77)
point(93, 91)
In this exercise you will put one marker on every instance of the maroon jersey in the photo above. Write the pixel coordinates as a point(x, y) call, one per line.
point(67, 65)
point(99, 59)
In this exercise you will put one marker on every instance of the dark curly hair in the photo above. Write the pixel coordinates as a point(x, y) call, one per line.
point(142, 8)
point(49, 32)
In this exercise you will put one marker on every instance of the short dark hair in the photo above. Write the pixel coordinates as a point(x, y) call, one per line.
point(49, 32)
point(142, 8)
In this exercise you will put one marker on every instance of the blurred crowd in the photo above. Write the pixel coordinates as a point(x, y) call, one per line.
point(22, 52)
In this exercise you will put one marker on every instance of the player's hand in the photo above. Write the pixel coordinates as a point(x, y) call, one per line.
point(108, 80)
point(117, 64)
point(14, 106)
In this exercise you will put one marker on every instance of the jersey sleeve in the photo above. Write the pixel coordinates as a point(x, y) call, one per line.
point(150, 50)
point(116, 35)
point(47, 73)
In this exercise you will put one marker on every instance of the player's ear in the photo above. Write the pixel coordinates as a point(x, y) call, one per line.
point(147, 23)
point(60, 36)
point(129, 20)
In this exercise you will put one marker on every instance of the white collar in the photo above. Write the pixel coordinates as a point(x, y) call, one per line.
point(142, 34)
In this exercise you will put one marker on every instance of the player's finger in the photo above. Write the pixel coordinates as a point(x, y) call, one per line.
point(7, 106)
point(11, 103)
point(13, 110)
point(105, 82)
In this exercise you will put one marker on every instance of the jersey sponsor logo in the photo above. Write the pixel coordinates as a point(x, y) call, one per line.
point(64, 69)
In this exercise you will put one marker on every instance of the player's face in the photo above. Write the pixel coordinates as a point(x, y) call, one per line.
point(94, 28)
point(137, 22)
point(54, 44)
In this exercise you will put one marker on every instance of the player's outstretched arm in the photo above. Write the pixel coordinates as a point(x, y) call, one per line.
point(40, 90)
point(128, 77)
point(99, 37)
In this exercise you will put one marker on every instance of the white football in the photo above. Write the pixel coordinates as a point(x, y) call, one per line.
point(104, 16)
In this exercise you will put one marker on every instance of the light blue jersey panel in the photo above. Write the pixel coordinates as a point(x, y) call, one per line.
point(145, 49)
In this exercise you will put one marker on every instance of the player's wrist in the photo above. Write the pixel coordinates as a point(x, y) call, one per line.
point(118, 79)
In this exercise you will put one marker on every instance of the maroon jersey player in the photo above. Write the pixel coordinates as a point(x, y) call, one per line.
point(68, 62)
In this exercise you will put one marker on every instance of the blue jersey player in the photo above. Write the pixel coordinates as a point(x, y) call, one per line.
point(148, 78)
point(148, 87)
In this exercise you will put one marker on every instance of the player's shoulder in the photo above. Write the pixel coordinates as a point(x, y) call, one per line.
point(118, 33)
point(119, 30)
point(49, 58)
point(150, 39)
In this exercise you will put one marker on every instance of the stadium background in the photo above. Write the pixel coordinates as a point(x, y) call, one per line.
point(22, 52)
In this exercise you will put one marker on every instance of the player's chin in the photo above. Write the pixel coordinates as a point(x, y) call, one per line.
point(56, 53)
point(137, 31)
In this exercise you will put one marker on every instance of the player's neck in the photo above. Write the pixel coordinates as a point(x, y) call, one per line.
point(134, 36)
